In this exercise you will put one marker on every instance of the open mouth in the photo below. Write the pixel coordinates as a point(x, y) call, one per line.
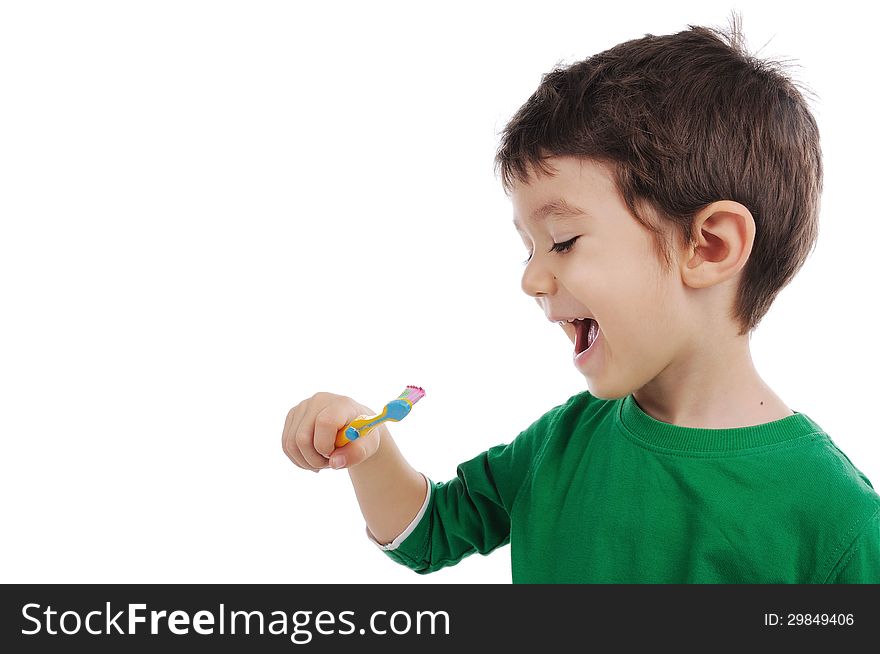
point(586, 332)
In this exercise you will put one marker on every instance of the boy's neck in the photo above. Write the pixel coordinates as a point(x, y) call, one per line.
point(722, 391)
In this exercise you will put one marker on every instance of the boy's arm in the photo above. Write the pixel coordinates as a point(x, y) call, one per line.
point(471, 512)
point(426, 529)
point(389, 490)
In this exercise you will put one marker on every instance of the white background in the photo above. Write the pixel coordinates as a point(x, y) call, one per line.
point(212, 210)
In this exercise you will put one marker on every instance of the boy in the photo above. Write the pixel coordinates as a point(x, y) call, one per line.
point(667, 189)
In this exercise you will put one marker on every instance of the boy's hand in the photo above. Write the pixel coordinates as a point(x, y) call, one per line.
point(309, 436)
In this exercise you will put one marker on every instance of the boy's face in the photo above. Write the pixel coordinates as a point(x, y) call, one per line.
point(611, 273)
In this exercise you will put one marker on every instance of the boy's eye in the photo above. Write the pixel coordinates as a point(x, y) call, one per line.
point(558, 247)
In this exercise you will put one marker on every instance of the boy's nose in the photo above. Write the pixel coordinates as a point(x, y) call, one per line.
point(537, 281)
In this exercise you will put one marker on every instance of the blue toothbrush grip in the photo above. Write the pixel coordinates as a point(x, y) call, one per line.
point(398, 409)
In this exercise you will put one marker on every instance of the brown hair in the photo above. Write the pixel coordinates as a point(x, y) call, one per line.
point(685, 120)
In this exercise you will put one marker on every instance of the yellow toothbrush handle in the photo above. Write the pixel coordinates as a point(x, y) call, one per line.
point(356, 428)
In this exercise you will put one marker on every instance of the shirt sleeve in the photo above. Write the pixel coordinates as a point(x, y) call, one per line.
point(861, 563)
point(471, 512)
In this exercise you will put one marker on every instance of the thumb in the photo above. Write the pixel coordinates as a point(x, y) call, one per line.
point(356, 451)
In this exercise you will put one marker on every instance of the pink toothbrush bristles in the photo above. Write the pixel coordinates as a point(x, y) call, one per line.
point(413, 393)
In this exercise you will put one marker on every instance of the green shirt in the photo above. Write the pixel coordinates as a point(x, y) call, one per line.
point(598, 491)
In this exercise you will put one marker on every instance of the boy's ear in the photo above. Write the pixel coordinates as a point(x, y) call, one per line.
point(724, 233)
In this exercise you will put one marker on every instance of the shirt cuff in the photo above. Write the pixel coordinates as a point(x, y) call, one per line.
point(412, 525)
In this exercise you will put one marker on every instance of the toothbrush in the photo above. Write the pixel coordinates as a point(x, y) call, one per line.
point(396, 410)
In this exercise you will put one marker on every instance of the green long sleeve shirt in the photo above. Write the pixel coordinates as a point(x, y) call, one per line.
point(598, 491)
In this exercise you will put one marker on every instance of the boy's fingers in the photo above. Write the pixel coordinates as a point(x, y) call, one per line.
point(303, 438)
point(309, 435)
point(356, 451)
point(298, 460)
point(291, 424)
point(328, 422)
point(292, 421)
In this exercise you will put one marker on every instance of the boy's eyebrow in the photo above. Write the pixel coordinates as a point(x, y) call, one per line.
point(557, 207)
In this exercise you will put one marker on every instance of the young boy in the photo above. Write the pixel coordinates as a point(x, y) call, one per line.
point(667, 189)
